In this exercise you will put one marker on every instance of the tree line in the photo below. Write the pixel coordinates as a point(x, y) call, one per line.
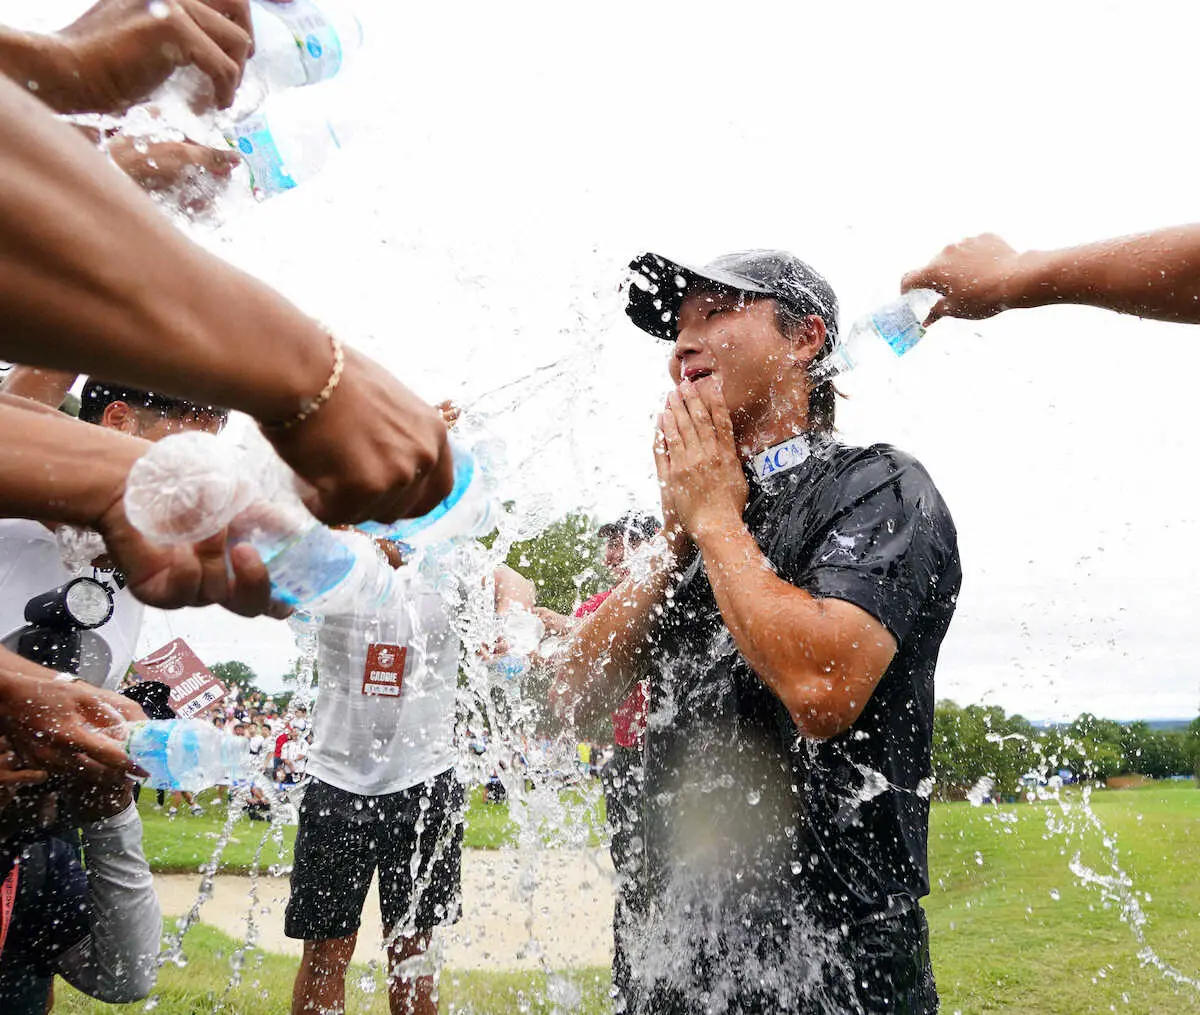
point(982, 741)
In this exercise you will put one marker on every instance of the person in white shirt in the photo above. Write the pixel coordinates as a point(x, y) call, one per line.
point(382, 793)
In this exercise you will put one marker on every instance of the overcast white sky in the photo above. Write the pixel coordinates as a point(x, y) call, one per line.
point(509, 159)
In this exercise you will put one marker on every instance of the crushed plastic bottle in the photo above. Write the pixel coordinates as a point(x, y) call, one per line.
point(880, 336)
point(186, 754)
point(190, 486)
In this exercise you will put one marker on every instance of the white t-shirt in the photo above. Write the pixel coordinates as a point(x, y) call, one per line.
point(372, 741)
point(295, 752)
point(30, 564)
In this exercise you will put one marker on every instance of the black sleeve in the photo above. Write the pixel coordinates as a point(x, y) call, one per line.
point(882, 535)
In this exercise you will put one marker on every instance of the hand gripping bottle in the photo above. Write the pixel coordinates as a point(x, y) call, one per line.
point(880, 336)
point(187, 754)
point(190, 486)
point(469, 510)
point(523, 633)
point(300, 42)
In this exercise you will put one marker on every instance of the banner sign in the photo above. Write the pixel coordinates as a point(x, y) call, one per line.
point(193, 687)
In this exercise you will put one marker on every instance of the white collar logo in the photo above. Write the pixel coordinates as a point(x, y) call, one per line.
point(780, 458)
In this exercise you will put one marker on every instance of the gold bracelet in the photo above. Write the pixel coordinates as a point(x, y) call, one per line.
point(323, 396)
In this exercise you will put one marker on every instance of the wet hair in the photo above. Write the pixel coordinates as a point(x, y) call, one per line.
point(633, 526)
point(822, 402)
point(99, 395)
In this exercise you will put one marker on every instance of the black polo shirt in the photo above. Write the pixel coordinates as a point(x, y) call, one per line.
point(752, 829)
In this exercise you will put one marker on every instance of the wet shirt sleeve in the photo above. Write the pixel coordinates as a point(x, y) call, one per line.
point(879, 537)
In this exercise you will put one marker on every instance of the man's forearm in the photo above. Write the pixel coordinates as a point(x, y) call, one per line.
point(1153, 275)
point(809, 651)
point(611, 648)
point(94, 279)
point(54, 468)
point(32, 61)
point(38, 384)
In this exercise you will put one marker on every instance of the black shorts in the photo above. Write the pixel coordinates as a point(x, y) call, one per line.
point(342, 839)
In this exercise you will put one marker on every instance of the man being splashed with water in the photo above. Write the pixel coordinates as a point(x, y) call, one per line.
point(789, 632)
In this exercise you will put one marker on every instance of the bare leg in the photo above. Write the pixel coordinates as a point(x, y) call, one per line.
point(320, 987)
point(409, 996)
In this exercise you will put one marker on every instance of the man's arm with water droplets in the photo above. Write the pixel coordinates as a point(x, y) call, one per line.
point(610, 649)
point(822, 657)
point(1154, 275)
point(57, 469)
point(119, 51)
point(57, 726)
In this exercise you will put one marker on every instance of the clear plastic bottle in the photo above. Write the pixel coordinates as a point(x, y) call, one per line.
point(286, 143)
point(523, 633)
point(187, 754)
point(190, 486)
point(300, 42)
point(468, 511)
point(880, 336)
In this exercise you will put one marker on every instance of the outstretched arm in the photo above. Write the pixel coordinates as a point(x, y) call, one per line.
point(1153, 275)
point(38, 384)
point(610, 649)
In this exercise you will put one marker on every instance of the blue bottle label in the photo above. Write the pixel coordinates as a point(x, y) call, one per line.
point(309, 567)
point(253, 139)
point(898, 326)
point(318, 43)
point(151, 745)
point(404, 530)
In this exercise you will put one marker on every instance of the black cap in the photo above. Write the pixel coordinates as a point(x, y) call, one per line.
point(659, 285)
point(633, 526)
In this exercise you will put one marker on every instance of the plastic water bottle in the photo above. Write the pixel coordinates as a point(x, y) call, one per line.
point(299, 43)
point(190, 486)
point(286, 143)
point(187, 754)
point(523, 633)
point(468, 511)
point(880, 336)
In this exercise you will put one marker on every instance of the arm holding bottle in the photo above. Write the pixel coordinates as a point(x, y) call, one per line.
point(1155, 275)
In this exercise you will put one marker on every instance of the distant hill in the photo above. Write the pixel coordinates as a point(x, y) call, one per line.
point(1168, 725)
point(1157, 725)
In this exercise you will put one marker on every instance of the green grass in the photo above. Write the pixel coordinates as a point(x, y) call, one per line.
point(266, 989)
point(1001, 940)
point(179, 845)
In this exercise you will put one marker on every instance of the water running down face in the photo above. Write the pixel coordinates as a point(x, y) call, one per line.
point(721, 334)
